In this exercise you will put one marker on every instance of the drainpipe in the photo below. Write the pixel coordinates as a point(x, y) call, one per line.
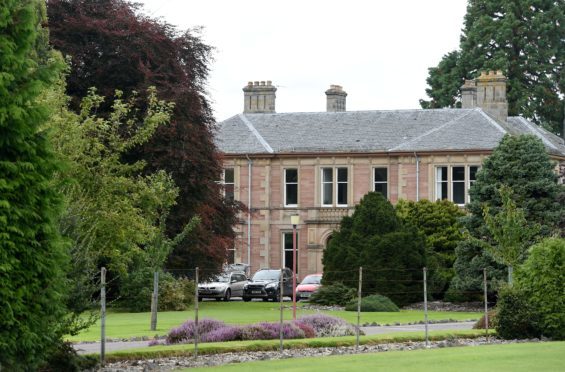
point(417, 176)
point(249, 169)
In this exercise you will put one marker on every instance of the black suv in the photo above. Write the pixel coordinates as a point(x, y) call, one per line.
point(265, 284)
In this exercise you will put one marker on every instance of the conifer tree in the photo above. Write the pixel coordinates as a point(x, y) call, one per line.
point(392, 254)
point(522, 38)
point(32, 256)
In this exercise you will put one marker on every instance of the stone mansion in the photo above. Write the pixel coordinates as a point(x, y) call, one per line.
point(318, 165)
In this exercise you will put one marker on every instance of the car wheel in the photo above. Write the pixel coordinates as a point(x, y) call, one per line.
point(276, 297)
point(227, 296)
point(246, 299)
point(265, 299)
point(199, 299)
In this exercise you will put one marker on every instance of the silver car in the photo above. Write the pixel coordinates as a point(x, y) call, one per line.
point(223, 286)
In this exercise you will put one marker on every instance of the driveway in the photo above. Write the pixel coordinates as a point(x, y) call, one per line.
point(94, 347)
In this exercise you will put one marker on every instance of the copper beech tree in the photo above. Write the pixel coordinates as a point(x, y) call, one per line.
point(112, 45)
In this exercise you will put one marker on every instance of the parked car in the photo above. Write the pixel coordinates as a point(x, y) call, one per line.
point(308, 286)
point(265, 284)
point(223, 286)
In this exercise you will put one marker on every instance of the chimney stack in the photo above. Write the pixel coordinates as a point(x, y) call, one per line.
point(259, 97)
point(488, 92)
point(335, 98)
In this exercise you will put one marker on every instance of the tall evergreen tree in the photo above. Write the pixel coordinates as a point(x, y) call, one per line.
point(392, 254)
point(32, 256)
point(521, 163)
point(522, 38)
point(113, 46)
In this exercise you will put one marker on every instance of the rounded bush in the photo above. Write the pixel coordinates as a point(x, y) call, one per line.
point(186, 331)
point(542, 278)
point(516, 318)
point(333, 294)
point(174, 294)
point(327, 326)
point(373, 303)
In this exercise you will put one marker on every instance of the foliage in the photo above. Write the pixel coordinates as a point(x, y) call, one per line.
point(327, 326)
point(444, 82)
point(113, 46)
point(186, 332)
point(392, 254)
point(439, 223)
point(516, 317)
point(492, 320)
point(510, 232)
point(66, 358)
point(521, 38)
point(33, 258)
point(333, 294)
point(215, 331)
point(136, 288)
point(373, 303)
point(542, 277)
point(176, 294)
point(467, 285)
point(521, 163)
point(111, 211)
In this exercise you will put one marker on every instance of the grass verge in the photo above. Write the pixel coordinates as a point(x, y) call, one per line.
point(127, 325)
point(266, 345)
point(546, 356)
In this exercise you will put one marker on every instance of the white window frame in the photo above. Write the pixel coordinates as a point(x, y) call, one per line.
point(335, 183)
point(386, 182)
point(450, 182)
point(438, 183)
point(284, 250)
point(285, 183)
point(337, 186)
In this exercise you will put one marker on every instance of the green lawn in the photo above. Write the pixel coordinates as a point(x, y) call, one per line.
point(547, 356)
point(126, 325)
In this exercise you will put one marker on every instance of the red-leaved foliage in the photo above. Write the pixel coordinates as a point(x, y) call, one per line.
point(112, 45)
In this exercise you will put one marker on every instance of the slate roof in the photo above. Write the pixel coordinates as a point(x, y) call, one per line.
point(372, 131)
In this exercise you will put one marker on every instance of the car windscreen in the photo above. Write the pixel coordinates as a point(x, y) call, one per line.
point(222, 279)
point(267, 275)
point(312, 280)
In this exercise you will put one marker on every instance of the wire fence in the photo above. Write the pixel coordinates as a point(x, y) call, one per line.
point(363, 279)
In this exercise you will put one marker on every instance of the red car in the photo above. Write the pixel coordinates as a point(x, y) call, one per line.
point(309, 285)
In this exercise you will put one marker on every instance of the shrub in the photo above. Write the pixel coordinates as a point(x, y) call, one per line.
point(327, 326)
point(542, 278)
point(227, 333)
point(308, 330)
point(480, 324)
point(373, 303)
point(334, 294)
point(176, 294)
point(516, 318)
point(185, 332)
point(216, 331)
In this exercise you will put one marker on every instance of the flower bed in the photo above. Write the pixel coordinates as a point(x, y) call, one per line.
point(210, 330)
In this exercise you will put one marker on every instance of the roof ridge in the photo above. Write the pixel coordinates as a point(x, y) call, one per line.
point(537, 133)
point(256, 133)
point(357, 111)
point(491, 120)
point(450, 122)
